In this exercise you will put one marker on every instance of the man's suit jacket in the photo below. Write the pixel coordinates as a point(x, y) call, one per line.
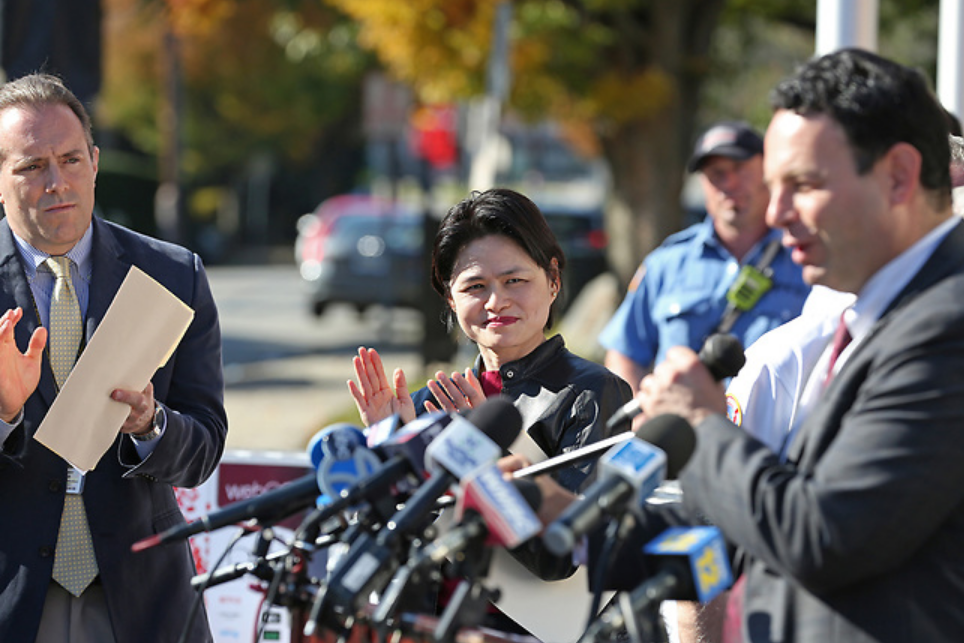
point(859, 536)
point(148, 593)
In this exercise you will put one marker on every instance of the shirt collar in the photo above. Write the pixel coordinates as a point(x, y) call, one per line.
point(80, 254)
point(706, 234)
point(881, 289)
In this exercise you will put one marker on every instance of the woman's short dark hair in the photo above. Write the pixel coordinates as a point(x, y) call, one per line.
point(497, 211)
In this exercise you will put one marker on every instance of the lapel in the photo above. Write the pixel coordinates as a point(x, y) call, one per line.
point(821, 427)
point(109, 268)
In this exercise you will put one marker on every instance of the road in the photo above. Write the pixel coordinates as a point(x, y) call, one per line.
point(285, 370)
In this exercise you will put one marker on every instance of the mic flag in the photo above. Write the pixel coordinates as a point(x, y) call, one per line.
point(346, 461)
point(690, 564)
point(703, 552)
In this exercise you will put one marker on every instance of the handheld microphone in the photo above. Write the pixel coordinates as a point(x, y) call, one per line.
point(721, 353)
point(463, 446)
point(628, 472)
point(287, 499)
point(690, 564)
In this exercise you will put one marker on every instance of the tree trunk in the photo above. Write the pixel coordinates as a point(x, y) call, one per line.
point(648, 156)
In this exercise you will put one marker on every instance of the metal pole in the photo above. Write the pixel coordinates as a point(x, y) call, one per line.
point(846, 23)
point(489, 111)
point(950, 52)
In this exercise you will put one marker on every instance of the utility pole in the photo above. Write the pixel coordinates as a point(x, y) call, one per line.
point(484, 139)
point(169, 211)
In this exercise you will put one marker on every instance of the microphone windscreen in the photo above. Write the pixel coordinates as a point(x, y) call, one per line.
point(499, 419)
point(723, 355)
point(674, 436)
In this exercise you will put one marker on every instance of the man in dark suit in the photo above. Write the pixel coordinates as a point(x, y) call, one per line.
point(173, 435)
point(854, 535)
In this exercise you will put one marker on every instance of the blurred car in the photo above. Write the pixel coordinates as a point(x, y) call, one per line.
point(314, 227)
point(366, 251)
point(582, 236)
point(365, 258)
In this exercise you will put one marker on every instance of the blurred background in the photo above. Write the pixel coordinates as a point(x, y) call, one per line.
point(306, 149)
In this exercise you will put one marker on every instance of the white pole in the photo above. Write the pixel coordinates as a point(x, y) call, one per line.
point(846, 23)
point(950, 56)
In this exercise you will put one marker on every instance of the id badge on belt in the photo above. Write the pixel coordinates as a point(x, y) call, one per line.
point(75, 481)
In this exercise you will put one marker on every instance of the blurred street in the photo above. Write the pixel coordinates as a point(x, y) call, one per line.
point(285, 370)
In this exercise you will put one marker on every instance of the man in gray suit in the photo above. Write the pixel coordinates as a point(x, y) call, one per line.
point(67, 572)
point(855, 535)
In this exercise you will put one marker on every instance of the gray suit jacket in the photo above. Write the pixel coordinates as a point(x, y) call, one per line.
point(148, 593)
point(860, 536)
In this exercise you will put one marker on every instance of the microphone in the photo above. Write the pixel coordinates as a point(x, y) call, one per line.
point(404, 456)
point(490, 507)
point(678, 446)
point(379, 432)
point(491, 512)
point(721, 353)
point(345, 461)
point(690, 564)
point(463, 446)
point(630, 471)
point(287, 499)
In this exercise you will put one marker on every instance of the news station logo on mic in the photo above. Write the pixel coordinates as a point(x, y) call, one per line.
point(704, 549)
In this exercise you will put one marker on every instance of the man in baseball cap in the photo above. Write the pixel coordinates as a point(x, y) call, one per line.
point(679, 293)
point(730, 139)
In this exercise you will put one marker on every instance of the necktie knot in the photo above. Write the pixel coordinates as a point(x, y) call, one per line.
point(60, 266)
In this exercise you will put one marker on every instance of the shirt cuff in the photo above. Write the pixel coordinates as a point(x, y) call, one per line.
point(6, 429)
point(145, 448)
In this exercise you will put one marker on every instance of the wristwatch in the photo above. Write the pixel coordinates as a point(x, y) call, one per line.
point(156, 425)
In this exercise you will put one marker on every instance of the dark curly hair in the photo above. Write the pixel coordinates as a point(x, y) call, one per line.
point(878, 103)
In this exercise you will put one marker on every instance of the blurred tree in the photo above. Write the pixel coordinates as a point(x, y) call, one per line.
point(631, 68)
point(269, 79)
point(634, 70)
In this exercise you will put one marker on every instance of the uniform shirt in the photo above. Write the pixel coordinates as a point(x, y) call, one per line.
point(679, 294)
point(765, 396)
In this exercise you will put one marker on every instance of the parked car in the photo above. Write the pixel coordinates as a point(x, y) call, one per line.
point(365, 251)
point(367, 259)
point(582, 236)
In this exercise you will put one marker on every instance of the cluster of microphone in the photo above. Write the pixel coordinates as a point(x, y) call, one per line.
point(373, 503)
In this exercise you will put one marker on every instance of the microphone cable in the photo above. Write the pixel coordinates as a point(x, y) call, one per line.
point(200, 591)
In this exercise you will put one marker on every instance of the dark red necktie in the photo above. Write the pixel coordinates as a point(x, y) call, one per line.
point(841, 338)
point(733, 619)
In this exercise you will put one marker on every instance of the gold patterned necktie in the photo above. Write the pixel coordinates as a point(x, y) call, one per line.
point(75, 566)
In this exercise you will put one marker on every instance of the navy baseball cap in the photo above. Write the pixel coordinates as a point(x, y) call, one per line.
point(732, 139)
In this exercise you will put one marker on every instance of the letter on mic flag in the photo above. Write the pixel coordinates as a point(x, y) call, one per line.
point(704, 551)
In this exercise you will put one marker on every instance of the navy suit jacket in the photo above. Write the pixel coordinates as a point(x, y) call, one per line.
point(148, 593)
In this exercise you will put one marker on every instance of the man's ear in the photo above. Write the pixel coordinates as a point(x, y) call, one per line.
point(903, 165)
